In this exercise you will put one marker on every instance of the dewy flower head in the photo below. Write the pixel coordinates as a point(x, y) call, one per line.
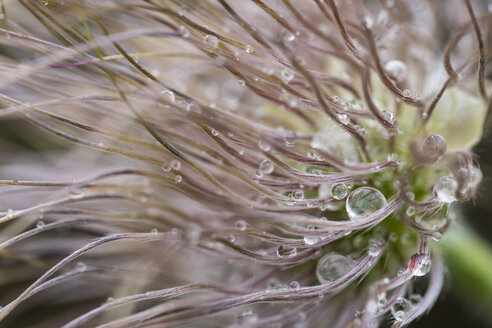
point(247, 163)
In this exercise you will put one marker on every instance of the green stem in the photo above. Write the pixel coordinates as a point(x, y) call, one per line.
point(469, 259)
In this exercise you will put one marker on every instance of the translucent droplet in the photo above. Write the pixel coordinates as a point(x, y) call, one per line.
point(367, 22)
point(389, 116)
point(344, 119)
point(436, 236)
point(445, 189)
point(110, 300)
point(80, 266)
point(169, 94)
point(310, 240)
point(294, 285)
point(332, 266)
point(154, 231)
point(423, 267)
point(364, 201)
point(231, 238)
point(397, 70)
point(214, 132)
point(211, 41)
point(175, 165)
point(374, 250)
point(241, 225)
point(266, 166)
point(406, 93)
point(339, 191)
point(184, 31)
point(287, 75)
point(299, 194)
point(40, 224)
point(264, 145)
point(178, 178)
point(410, 211)
point(249, 49)
point(289, 37)
point(166, 167)
point(400, 308)
point(286, 251)
point(242, 83)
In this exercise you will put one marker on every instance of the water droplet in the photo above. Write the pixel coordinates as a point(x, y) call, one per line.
point(436, 235)
point(310, 240)
point(286, 251)
point(231, 238)
point(266, 166)
point(406, 93)
point(344, 119)
point(241, 225)
point(241, 83)
point(169, 94)
point(364, 201)
point(299, 194)
point(294, 285)
point(175, 165)
point(110, 300)
point(400, 308)
point(40, 224)
point(214, 132)
point(264, 146)
point(154, 231)
point(367, 22)
point(332, 266)
point(166, 167)
point(287, 75)
point(184, 31)
point(423, 267)
point(211, 41)
point(374, 250)
point(178, 178)
point(339, 191)
point(289, 37)
point(389, 116)
point(397, 70)
point(80, 266)
point(445, 189)
point(249, 49)
point(410, 211)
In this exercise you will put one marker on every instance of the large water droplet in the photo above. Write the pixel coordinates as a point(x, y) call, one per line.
point(364, 201)
point(332, 266)
point(445, 189)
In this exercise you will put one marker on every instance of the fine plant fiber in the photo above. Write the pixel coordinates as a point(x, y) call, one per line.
point(226, 163)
